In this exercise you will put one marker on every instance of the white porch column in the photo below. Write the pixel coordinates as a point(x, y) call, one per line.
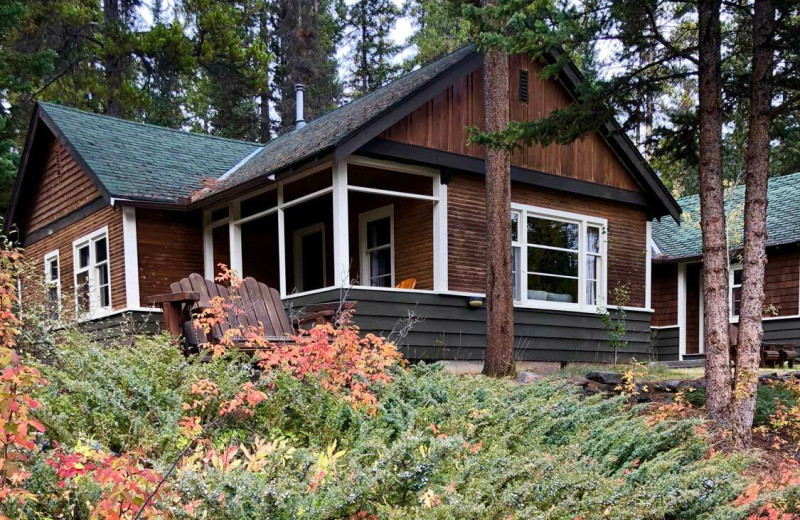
point(208, 246)
point(281, 243)
point(681, 310)
point(440, 271)
point(341, 231)
point(131, 250)
point(648, 267)
point(235, 233)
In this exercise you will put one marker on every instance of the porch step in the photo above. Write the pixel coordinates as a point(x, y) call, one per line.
point(686, 363)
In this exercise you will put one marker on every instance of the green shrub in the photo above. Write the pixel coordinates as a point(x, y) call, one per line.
point(439, 447)
point(767, 398)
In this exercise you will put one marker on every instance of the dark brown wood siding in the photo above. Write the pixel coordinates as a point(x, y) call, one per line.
point(466, 206)
point(782, 282)
point(693, 308)
point(665, 294)
point(170, 247)
point(442, 124)
point(62, 241)
point(60, 187)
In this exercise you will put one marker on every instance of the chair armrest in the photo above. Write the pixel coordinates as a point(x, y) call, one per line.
point(186, 296)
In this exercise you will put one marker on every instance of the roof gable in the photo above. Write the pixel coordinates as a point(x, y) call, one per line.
point(442, 124)
point(684, 240)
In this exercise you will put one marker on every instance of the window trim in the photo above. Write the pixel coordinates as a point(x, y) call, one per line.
point(733, 318)
point(583, 221)
point(364, 219)
point(95, 310)
point(47, 258)
point(297, 236)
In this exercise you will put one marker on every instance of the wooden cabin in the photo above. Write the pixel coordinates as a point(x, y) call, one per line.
point(379, 193)
point(677, 321)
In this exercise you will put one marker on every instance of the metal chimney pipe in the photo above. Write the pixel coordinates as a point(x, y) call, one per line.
point(299, 120)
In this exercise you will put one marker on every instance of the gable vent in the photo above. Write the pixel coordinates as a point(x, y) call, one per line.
point(523, 86)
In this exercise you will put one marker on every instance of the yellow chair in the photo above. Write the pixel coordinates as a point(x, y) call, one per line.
point(408, 283)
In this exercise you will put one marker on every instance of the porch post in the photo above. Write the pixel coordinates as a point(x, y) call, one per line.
point(440, 271)
point(208, 246)
point(281, 243)
point(235, 232)
point(681, 310)
point(648, 283)
point(341, 231)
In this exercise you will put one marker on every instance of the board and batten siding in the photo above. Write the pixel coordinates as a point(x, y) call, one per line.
point(170, 247)
point(466, 205)
point(60, 188)
point(451, 330)
point(62, 240)
point(442, 124)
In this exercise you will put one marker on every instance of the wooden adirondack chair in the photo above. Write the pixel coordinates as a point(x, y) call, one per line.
point(253, 304)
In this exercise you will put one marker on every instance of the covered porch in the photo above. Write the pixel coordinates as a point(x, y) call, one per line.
point(360, 223)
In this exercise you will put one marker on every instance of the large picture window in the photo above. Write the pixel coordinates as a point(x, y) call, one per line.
point(558, 259)
point(92, 273)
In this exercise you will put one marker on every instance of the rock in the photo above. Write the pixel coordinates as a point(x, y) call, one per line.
point(766, 378)
point(692, 383)
point(671, 385)
point(528, 377)
point(593, 387)
point(606, 378)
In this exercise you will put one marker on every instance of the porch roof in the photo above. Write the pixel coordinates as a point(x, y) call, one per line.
point(684, 240)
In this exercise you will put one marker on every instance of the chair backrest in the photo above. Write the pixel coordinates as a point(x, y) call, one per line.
point(408, 283)
point(252, 304)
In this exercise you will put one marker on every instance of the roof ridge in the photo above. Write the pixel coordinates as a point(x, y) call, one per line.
point(149, 125)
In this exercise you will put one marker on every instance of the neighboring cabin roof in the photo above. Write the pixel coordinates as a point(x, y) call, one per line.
point(684, 240)
point(145, 162)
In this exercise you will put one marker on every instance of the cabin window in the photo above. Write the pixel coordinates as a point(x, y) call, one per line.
point(557, 258)
point(52, 280)
point(735, 297)
point(376, 237)
point(92, 273)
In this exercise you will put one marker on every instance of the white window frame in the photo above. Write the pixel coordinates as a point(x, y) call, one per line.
point(364, 219)
point(95, 310)
point(53, 255)
point(298, 235)
point(583, 221)
point(734, 318)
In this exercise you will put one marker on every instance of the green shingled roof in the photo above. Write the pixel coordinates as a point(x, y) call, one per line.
point(331, 129)
point(145, 162)
point(783, 220)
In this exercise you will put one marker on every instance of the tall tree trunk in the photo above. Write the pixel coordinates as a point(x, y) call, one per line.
point(113, 61)
point(264, 119)
point(712, 213)
point(751, 331)
point(499, 297)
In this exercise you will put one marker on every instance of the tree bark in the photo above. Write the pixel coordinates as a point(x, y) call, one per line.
point(712, 213)
point(499, 297)
point(751, 331)
point(113, 61)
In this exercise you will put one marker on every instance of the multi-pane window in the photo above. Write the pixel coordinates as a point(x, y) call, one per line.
point(52, 279)
point(736, 289)
point(377, 250)
point(557, 258)
point(92, 273)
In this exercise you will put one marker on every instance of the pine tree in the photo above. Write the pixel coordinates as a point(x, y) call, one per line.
point(306, 36)
point(439, 30)
point(368, 28)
